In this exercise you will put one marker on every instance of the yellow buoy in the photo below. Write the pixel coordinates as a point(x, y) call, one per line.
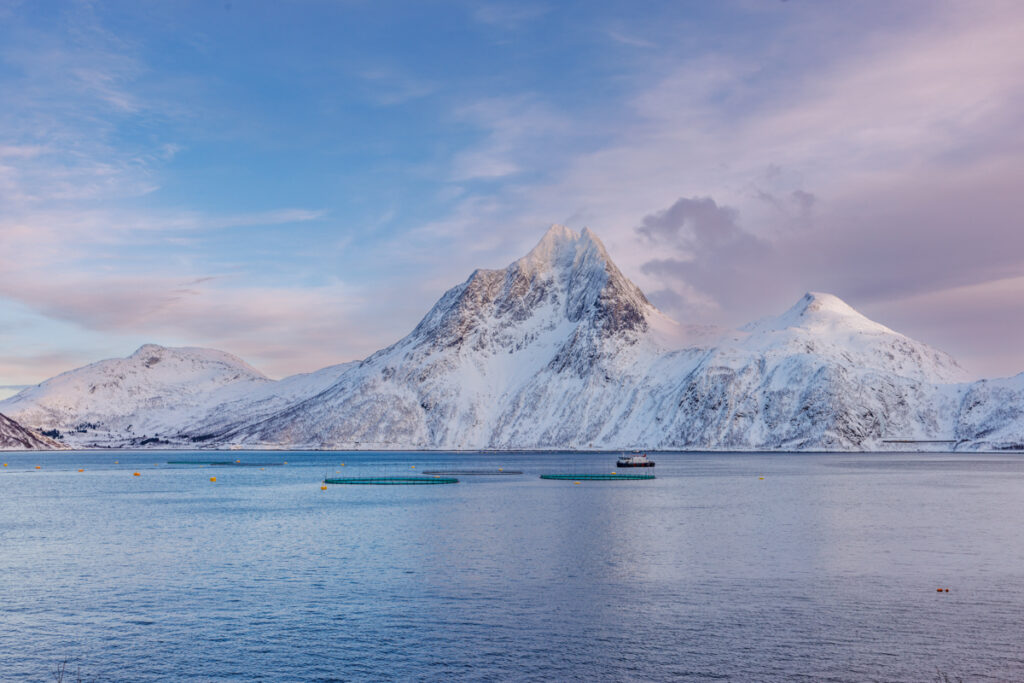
point(213, 478)
point(5, 464)
point(613, 472)
point(576, 482)
point(760, 477)
point(342, 464)
point(501, 469)
point(285, 462)
point(136, 474)
point(412, 466)
point(261, 469)
point(117, 462)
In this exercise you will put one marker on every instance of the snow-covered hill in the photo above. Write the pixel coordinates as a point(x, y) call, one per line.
point(131, 400)
point(992, 415)
point(14, 437)
point(558, 350)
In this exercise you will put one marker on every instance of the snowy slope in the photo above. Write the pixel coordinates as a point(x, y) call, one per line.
point(14, 437)
point(992, 415)
point(819, 376)
point(558, 350)
point(130, 400)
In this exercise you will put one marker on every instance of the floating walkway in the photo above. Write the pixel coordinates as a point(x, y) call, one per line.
point(595, 477)
point(393, 481)
point(471, 473)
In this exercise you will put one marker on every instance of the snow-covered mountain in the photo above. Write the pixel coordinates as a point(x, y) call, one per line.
point(158, 395)
point(14, 437)
point(151, 392)
point(558, 350)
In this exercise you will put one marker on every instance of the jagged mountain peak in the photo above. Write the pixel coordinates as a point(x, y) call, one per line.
point(563, 247)
point(567, 278)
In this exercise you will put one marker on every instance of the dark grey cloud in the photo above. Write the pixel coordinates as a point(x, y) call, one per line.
point(701, 247)
point(698, 220)
point(918, 240)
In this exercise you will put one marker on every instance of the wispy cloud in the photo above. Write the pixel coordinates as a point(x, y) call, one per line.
point(389, 86)
point(516, 130)
point(508, 15)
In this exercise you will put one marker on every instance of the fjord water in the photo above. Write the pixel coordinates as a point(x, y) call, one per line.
point(825, 569)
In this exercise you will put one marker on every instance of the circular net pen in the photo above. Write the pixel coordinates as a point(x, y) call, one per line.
point(224, 463)
point(473, 473)
point(392, 481)
point(596, 477)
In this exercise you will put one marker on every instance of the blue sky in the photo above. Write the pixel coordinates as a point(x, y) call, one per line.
point(297, 182)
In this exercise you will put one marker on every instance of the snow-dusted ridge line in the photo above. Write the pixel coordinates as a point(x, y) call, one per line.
point(558, 350)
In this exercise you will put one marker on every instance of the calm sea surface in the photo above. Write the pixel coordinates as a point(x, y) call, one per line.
point(824, 570)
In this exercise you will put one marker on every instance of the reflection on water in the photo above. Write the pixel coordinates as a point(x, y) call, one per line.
point(824, 569)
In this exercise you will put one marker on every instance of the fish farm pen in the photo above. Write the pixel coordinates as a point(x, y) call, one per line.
point(595, 477)
point(224, 463)
point(470, 473)
point(393, 481)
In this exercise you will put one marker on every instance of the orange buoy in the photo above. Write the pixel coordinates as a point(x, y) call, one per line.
point(136, 474)
point(323, 487)
point(39, 467)
point(238, 461)
point(938, 590)
point(576, 482)
point(213, 478)
point(81, 470)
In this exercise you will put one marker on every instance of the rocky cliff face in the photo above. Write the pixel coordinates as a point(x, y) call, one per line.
point(14, 437)
point(558, 350)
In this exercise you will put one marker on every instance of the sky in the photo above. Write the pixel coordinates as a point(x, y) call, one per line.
point(297, 182)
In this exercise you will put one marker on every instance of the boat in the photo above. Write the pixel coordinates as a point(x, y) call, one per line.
point(637, 460)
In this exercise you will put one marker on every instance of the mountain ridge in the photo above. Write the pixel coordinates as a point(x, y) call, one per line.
point(557, 350)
